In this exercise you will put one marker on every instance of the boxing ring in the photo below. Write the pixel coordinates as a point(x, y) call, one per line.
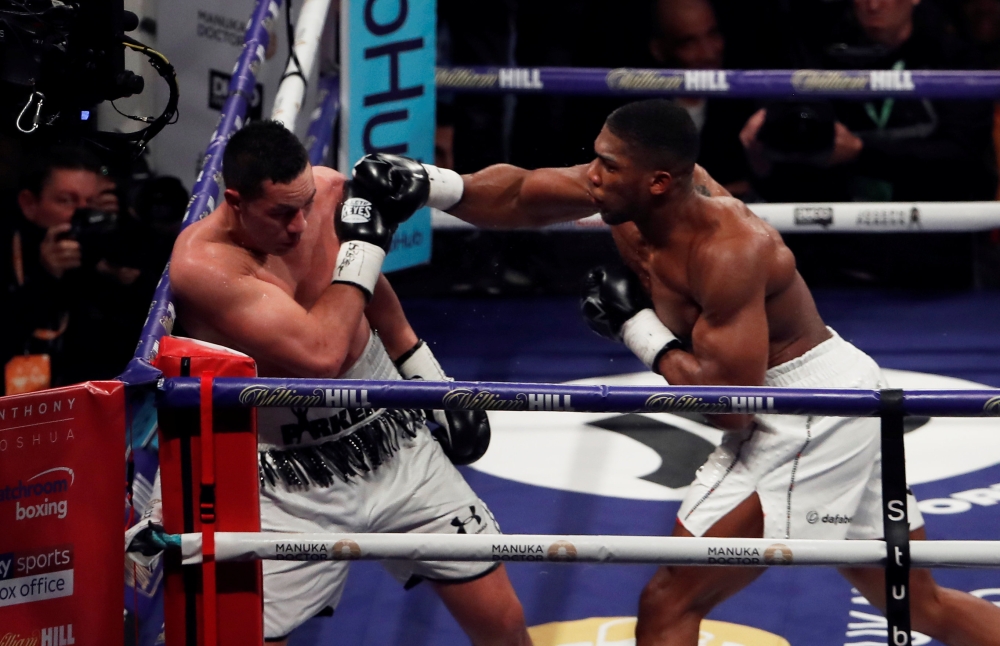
point(896, 554)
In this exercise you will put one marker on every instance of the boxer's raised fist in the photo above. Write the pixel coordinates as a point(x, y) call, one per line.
point(611, 296)
point(365, 237)
point(358, 218)
point(616, 307)
point(397, 185)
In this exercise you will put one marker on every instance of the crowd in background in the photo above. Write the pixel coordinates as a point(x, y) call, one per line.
point(84, 234)
point(879, 150)
point(762, 151)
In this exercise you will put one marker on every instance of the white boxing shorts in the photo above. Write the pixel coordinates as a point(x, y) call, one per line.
point(349, 470)
point(817, 477)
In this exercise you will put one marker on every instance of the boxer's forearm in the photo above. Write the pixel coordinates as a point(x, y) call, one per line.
point(385, 315)
point(505, 196)
point(681, 368)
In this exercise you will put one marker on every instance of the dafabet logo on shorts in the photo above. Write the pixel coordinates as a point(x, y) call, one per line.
point(620, 631)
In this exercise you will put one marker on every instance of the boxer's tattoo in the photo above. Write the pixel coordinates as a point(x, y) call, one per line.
point(701, 188)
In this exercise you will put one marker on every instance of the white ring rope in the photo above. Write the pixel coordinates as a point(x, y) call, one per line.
point(308, 32)
point(664, 550)
point(835, 217)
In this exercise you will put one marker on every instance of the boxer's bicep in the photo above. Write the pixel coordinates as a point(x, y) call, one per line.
point(505, 196)
point(261, 320)
point(730, 337)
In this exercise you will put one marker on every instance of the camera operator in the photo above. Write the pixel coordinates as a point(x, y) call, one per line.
point(49, 258)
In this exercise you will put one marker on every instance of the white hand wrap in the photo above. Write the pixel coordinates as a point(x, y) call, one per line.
point(423, 365)
point(359, 263)
point(645, 336)
point(447, 187)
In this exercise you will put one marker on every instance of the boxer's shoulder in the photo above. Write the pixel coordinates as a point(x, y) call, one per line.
point(734, 248)
point(328, 180)
point(203, 256)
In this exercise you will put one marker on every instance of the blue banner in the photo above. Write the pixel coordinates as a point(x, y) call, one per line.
point(388, 49)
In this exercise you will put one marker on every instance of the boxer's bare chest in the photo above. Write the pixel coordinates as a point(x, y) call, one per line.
point(305, 272)
point(665, 273)
point(670, 290)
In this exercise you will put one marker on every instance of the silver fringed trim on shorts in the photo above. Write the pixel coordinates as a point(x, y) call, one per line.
point(354, 454)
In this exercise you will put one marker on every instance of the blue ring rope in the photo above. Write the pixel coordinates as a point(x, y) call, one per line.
point(472, 395)
point(774, 84)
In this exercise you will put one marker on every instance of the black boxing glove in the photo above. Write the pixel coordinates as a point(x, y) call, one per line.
point(400, 185)
point(365, 236)
point(616, 307)
point(463, 434)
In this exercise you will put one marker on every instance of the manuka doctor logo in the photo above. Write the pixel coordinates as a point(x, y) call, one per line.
point(518, 553)
point(562, 551)
point(469, 399)
point(325, 397)
point(734, 555)
point(302, 552)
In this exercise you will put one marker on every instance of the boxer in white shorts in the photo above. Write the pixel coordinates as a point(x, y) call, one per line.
point(414, 488)
point(816, 477)
point(713, 298)
point(287, 270)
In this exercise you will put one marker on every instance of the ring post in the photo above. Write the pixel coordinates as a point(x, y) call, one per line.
point(201, 494)
point(894, 516)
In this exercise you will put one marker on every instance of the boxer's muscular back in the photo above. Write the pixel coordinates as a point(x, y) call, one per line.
point(226, 293)
point(729, 253)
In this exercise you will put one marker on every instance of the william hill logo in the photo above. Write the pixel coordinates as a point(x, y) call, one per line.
point(992, 406)
point(326, 397)
point(638, 80)
point(823, 80)
point(469, 399)
point(671, 403)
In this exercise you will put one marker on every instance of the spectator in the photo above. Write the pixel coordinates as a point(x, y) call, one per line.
point(980, 21)
point(890, 149)
point(70, 270)
point(477, 34)
point(39, 263)
point(687, 36)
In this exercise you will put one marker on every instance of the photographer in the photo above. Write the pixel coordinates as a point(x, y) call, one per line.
point(49, 271)
point(883, 149)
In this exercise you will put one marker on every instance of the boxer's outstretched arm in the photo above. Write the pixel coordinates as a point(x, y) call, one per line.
point(505, 196)
point(386, 316)
point(258, 318)
point(729, 341)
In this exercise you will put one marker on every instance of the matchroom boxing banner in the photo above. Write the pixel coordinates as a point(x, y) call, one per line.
point(388, 49)
point(62, 476)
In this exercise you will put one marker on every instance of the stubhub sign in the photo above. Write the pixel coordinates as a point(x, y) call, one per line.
point(388, 50)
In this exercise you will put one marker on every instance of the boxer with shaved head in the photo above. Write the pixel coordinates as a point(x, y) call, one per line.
point(710, 295)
